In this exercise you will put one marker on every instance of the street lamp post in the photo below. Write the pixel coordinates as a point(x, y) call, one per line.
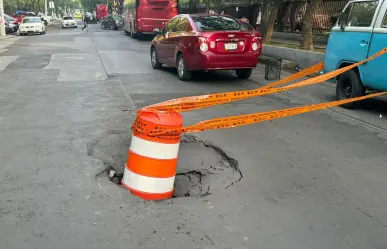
point(2, 21)
point(45, 7)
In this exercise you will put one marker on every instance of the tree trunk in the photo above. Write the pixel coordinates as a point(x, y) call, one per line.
point(268, 19)
point(307, 25)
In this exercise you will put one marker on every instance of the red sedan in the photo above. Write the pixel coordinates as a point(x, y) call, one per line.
point(206, 42)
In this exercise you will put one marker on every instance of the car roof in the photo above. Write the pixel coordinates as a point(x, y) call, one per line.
point(207, 14)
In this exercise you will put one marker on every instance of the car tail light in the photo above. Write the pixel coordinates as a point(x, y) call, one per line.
point(203, 46)
point(256, 43)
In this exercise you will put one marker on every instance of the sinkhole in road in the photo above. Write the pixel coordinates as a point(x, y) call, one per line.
point(203, 168)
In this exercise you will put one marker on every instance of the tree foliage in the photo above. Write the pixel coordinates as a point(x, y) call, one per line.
point(89, 5)
point(10, 6)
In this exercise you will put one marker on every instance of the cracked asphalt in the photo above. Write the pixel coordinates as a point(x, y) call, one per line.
point(68, 98)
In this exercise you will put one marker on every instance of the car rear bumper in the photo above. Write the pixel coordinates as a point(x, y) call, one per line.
point(30, 31)
point(69, 25)
point(211, 61)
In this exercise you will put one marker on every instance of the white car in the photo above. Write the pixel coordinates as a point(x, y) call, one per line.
point(32, 25)
point(69, 22)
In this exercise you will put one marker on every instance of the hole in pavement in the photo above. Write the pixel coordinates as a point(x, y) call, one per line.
point(203, 168)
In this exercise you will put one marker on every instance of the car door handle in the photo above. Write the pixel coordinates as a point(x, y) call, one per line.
point(363, 43)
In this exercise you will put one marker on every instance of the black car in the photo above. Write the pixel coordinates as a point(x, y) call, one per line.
point(109, 23)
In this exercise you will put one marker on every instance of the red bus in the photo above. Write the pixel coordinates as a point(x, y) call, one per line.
point(143, 16)
point(101, 11)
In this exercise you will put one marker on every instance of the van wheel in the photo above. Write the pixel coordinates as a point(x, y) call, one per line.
point(155, 62)
point(182, 70)
point(349, 86)
point(244, 73)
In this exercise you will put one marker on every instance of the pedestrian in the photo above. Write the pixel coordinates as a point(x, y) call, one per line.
point(86, 20)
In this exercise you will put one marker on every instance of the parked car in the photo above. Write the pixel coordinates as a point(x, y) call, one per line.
point(69, 22)
point(19, 16)
point(8, 28)
point(11, 19)
point(32, 25)
point(205, 42)
point(109, 23)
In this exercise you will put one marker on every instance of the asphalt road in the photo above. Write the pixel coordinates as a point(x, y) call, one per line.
point(316, 180)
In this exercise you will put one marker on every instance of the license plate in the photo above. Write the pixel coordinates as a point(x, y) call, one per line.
point(230, 46)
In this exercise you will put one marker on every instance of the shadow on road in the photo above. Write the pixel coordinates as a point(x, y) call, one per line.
point(204, 77)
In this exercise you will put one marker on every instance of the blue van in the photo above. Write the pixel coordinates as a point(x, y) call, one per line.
point(360, 32)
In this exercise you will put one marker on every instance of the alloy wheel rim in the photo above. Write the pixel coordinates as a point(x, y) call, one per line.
point(180, 68)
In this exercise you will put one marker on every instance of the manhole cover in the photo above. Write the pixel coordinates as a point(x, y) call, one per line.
point(203, 168)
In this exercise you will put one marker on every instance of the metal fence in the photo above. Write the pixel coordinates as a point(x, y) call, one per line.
point(291, 14)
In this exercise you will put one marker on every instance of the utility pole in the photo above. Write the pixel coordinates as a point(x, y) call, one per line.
point(2, 21)
point(45, 7)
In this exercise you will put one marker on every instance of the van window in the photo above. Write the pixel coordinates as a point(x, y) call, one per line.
point(384, 22)
point(361, 14)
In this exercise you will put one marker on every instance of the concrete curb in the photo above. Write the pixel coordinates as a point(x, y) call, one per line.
point(296, 37)
point(300, 57)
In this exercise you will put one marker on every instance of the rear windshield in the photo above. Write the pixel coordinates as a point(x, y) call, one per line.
point(32, 20)
point(246, 26)
point(213, 23)
point(67, 18)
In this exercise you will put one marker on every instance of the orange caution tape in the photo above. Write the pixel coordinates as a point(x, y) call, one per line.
point(203, 101)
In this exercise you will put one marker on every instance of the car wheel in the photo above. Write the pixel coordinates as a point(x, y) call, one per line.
point(349, 86)
point(182, 70)
point(155, 62)
point(244, 73)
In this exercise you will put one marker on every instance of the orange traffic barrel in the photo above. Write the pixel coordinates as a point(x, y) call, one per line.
point(152, 160)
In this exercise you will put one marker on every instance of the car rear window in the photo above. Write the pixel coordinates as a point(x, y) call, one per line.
point(214, 23)
point(246, 26)
point(67, 18)
point(32, 20)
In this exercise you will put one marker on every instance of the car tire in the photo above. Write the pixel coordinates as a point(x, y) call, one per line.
point(154, 61)
point(244, 73)
point(349, 86)
point(182, 71)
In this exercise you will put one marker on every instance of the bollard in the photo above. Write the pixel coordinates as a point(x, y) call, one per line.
point(151, 166)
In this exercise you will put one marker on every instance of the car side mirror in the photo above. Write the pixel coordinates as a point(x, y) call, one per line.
point(156, 31)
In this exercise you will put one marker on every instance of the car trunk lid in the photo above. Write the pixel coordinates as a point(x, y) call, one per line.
point(228, 41)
